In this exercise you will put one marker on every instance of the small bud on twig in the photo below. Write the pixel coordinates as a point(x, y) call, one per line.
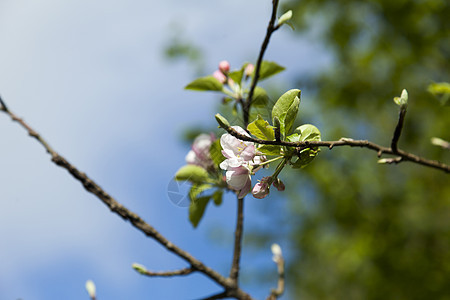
point(90, 287)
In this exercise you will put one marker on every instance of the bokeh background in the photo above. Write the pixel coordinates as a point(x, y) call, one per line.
point(103, 83)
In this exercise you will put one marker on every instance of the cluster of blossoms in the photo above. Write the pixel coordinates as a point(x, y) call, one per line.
point(241, 161)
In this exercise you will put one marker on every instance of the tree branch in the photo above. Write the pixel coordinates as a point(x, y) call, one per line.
point(234, 272)
point(181, 272)
point(3, 106)
point(271, 28)
point(405, 156)
point(128, 215)
point(398, 129)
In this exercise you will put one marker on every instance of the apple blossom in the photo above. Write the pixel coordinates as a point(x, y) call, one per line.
point(262, 188)
point(199, 154)
point(240, 159)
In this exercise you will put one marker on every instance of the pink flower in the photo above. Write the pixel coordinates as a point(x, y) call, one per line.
point(239, 179)
point(249, 69)
point(199, 154)
point(220, 76)
point(224, 66)
point(240, 159)
point(262, 188)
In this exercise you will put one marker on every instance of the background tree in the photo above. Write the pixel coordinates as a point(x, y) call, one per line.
point(367, 231)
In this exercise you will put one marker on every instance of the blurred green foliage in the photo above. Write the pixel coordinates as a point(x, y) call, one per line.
point(368, 231)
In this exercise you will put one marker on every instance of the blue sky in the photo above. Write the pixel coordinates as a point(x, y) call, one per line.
point(91, 77)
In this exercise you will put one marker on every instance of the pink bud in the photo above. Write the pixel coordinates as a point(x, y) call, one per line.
point(224, 66)
point(249, 69)
point(262, 188)
point(220, 76)
point(279, 185)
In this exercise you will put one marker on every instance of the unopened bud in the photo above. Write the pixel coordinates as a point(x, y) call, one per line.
point(249, 69)
point(279, 185)
point(140, 268)
point(262, 188)
point(220, 76)
point(276, 251)
point(90, 288)
point(224, 66)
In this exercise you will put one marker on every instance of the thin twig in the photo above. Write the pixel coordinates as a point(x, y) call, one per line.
point(398, 129)
point(222, 295)
point(128, 215)
point(3, 106)
point(271, 28)
point(234, 272)
point(181, 272)
point(406, 156)
point(279, 291)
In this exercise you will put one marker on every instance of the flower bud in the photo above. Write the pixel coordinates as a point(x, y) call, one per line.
point(277, 254)
point(279, 185)
point(220, 76)
point(90, 287)
point(224, 66)
point(262, 188)
point(249, 69)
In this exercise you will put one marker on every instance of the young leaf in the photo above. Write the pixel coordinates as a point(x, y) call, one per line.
point(305, 157)
point(308, 132)
point(402, 100)
point(217, 197)
point(261, 129)
point(260, 97)
point(222, 121)
point(269, 68)
point(295, 137)
point(291, 115)
point(197, 209)
point(215, 151)
point(270, 149)
point(285, 17)
point(208, 83)
point(285, 109)
point(238, 74)
point(197, 189)
point(192, 173)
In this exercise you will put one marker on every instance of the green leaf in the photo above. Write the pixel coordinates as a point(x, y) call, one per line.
point(222, 121)
point(308, 132)
point(270, 149)
point(269, 68)
point(261, 129)
point(402, 100)
point(285, 17)
point(197, 209)
point(215, 151)
point(260, 97)
point(197, 189)
point(238, 74)
point(439, 88)
point(295, 137)
point(305, 157)
point(192, 173)
point(208, 83)
point(285, 109)
point(217, 197)
point(291, 115)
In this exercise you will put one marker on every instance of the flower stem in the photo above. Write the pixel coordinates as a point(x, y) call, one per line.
point(270, 161)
